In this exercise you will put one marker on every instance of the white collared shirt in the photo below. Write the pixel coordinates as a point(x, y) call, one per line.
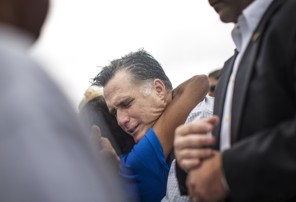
point(241, 35)
point(202, 110)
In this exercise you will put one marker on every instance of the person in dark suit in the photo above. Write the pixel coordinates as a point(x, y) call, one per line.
point(255, 100)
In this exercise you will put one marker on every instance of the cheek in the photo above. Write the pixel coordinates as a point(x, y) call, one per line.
point(229, 13)
point(149, 110)
point(151, 114)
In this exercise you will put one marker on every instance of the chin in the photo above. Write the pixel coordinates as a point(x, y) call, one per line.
point(227, 19)
point(136, 140)
point(227, 15)
point(138, 137)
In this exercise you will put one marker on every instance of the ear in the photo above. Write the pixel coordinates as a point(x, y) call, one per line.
point(160, 88)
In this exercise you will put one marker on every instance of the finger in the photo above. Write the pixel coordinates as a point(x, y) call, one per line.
point(190, 159)
point(105, 143)
point(202, 126)
point(196, 199)
point(194, 141)
point(194, 189)
point(96, 131)
point(193, 194)
point(109, 156)
point(107, 147)
point(195, 154)
point(214, 120)
point(189, 164)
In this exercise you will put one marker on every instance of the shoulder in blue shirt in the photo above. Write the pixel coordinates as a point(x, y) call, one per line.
point(145, 168)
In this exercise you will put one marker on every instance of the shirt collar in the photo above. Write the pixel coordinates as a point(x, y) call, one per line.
point(254, 12)
point(249, 20)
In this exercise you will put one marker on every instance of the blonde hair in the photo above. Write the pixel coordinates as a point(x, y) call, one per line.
point(90, 93)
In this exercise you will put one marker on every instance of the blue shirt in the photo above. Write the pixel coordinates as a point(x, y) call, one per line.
point(145, 168)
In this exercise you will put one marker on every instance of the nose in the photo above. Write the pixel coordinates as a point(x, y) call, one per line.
point(122, 118)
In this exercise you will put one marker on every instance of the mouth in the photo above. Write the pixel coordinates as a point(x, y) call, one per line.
point(133, 131)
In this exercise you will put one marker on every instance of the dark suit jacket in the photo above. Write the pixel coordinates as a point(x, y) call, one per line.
point(261, 164)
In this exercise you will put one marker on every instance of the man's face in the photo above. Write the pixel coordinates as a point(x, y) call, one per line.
point(229, 10)
point(135, 106)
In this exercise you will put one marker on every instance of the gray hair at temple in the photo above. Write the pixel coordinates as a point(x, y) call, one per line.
point(140, 64)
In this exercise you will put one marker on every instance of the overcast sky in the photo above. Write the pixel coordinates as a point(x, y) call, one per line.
point(80, 36)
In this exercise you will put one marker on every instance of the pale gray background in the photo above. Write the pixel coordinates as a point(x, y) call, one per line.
point(80, 36)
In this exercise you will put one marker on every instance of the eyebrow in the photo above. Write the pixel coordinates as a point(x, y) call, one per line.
point(122, 103)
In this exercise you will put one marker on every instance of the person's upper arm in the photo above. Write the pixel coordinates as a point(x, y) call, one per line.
point(185, 97)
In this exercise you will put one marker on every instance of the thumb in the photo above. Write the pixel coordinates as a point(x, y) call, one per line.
point(96, 131)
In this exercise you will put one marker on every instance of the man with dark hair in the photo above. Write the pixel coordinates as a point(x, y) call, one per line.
point(44, 154)
point(142, 66)
point(138, 92)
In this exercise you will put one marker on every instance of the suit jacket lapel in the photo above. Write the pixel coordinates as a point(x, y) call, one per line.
point(220, 93)
point(245, 70)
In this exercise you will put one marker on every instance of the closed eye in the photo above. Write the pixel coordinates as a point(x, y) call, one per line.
point(126, 103)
